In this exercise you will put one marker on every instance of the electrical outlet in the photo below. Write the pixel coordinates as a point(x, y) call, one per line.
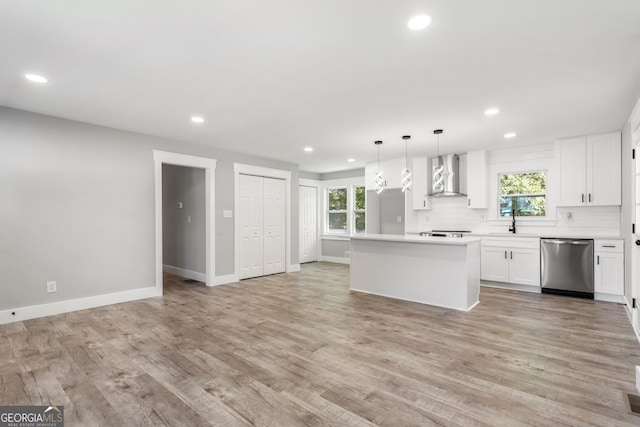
point(52, 287)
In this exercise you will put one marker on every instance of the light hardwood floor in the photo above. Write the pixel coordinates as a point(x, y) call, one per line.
point(300, 349)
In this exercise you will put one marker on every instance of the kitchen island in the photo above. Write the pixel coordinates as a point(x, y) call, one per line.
point(438, 271)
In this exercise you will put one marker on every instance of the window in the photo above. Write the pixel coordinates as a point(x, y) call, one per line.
point(523, 194)
point(346, 210)
point(360, 209)
point(337, 203)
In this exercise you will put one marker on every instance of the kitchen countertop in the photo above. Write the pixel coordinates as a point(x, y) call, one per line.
point(546, 235)
point(409, 238)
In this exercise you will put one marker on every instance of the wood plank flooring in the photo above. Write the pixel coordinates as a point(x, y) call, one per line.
point(300, 349)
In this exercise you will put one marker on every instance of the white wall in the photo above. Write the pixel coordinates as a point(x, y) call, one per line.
point(77, 206)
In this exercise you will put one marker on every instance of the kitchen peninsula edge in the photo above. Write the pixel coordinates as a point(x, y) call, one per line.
point(438, 271)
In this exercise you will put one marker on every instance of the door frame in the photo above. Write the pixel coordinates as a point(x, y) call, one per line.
point(632, 251)
point(245, 169)
point(209, 166)
point(634, 255)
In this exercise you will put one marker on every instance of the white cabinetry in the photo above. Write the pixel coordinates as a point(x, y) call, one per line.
point(420, 185)
point(511, 260)
point(589, 170)
point(609, 267)
point(477, 179)
point(391, 172)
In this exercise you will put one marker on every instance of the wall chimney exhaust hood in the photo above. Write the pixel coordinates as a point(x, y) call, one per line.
point(445, 179)
point(445, 173)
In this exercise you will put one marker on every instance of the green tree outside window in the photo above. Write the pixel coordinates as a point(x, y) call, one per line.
point(523, 194)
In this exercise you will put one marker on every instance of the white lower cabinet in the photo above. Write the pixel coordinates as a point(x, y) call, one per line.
point(609, 267)
point(511, 260)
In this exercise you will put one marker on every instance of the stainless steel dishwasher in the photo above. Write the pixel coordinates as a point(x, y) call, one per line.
point(566, 267)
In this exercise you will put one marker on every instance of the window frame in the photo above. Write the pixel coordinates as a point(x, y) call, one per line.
point(545, 194)
point(350, 211)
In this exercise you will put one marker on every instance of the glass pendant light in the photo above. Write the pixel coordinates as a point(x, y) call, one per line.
point(378, 179)
point(406, 173)
point(438, 178)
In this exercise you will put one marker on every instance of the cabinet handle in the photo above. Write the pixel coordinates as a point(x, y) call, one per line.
point(511, 254)
point(608, 246)
point(468, 202)
point(598, 262)
point(583, 198)
point(589, 197)
point(505, 254)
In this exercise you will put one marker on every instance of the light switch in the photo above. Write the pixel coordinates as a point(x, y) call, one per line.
point(179, 205)
point(227, 214)
point(399, 219)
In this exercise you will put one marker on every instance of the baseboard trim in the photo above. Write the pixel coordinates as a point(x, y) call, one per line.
point(608, 297)
point(187, 274)
point(224, 280)
point(511, 286)
point(293, 268)
point(337, 260)
point(60, 307)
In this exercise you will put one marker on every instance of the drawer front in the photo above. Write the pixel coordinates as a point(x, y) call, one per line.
point(609, 245)
point(512, 242)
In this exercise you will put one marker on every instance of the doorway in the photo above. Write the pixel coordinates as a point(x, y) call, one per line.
point(161, 158)
point(183, 222)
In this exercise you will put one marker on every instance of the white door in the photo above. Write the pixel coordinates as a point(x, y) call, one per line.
point(251, 226)
point(274, 226)
point(308, 223)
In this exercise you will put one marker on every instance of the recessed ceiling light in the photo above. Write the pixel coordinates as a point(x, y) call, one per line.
point(491, 112)
point(419, 22)
point(351, 160)
point(197, 119)
point(308, 149)
point(35, 78)
point(510, 135)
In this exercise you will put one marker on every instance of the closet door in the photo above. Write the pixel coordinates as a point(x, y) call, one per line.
point(251, 226)
point(274, 226)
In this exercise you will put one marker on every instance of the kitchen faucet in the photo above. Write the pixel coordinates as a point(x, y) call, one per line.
point(513, 224)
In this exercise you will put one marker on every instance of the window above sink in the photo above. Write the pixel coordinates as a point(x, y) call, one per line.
point(522, 194)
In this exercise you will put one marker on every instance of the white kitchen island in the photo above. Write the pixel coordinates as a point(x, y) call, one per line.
point(438, 271)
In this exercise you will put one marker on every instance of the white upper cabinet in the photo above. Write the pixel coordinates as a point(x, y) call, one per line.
point(589, 170)
point(391, 172)
point(420, 185)
point(477, 179)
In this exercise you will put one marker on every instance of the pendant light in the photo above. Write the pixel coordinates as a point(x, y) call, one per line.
point(438, 178)
point(406, 173)
point(378, 179)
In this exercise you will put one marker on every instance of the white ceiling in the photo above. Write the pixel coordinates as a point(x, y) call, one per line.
point(271, 77)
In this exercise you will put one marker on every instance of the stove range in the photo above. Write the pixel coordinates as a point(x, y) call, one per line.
point(445, 233)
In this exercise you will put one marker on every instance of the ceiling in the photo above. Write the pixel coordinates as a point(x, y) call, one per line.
point(272, 77)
